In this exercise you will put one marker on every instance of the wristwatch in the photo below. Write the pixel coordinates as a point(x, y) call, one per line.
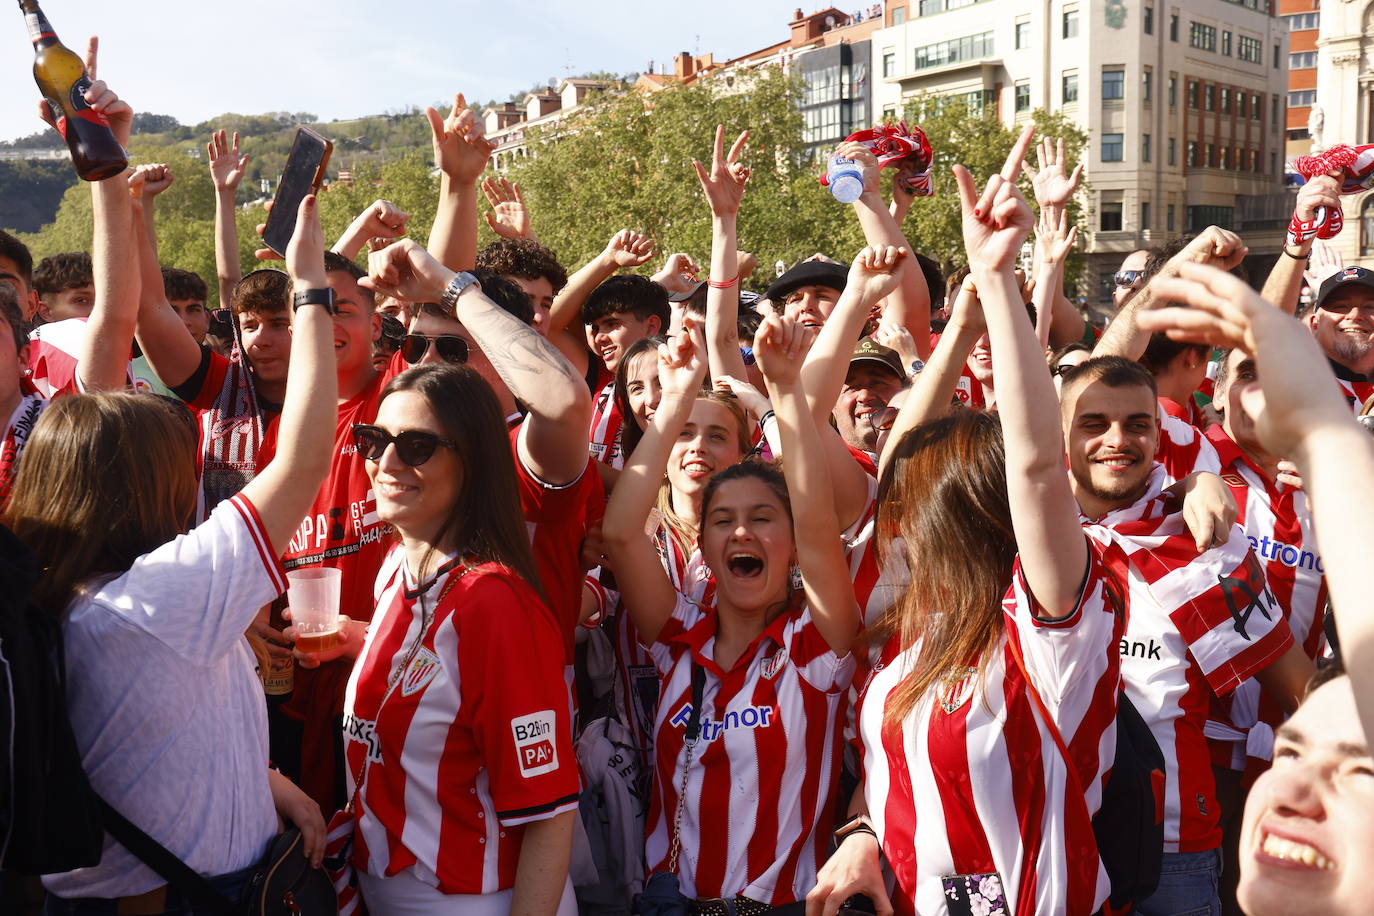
point(461, 281)
point(323, 296)
point(859, 823)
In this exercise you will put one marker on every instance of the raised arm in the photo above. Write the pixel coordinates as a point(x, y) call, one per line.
point(284, 490)
point(779, 347)
point(626, 248)
point(553, 439)
point(162, 336)
point(226, 171)
point(461, 152)
point(1054, 240)
point(1284, 283)
point(382, 219)
point(1044, 516)
point(909, 302)
point(1305, 418)
point(156, 177)
point(645, 587)
point(1123, 336)
point(508, 216)
point(724, 188)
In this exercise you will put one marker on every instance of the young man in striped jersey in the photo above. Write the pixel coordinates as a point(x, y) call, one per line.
point(1199, 622)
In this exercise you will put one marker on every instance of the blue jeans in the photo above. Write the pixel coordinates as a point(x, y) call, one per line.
point(1187, 886)
point(230, 885)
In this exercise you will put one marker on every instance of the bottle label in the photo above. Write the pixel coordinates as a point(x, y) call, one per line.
point(39, 27)
point(76, 96)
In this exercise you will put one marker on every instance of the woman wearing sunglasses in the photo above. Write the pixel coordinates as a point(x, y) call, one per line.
point(456, 722)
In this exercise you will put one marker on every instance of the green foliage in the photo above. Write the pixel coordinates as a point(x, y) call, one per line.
point(30, 191)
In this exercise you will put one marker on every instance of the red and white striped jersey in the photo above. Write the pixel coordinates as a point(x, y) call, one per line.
point(1356, 388)
point(475, 739)
point(1278, 524)
point(1183, 449)
point(972, 782)
point(760, 799)
point(604, 436)
point(17, 430)
point(1197, 624)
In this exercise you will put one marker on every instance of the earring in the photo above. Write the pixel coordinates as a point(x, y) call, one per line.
point(796, 576)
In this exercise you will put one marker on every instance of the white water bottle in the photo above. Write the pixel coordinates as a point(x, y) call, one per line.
point(845, 179)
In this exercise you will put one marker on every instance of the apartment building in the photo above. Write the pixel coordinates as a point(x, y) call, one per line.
point(1183, 104)
point(1343, 110)
point(1302, 18)
point(506, 125)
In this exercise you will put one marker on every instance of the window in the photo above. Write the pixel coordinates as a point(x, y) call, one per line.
point(1226, 43)
point(1145, 148)
point(1173, 151)
point(1070, 90)
point(889, 64)
point(1273, 109)
point(1225, 100)
point(1210, 96)
point(1211, 160)
point(1278, 55)
point(1302, 60)
point(1200, 217)
point(1273, 163)
point(1192, 93)
point(1302, 98)
point(1192, 154)
point(1112, 147)
point(1147, 84)
point(1202, 36)
point(970, 47)
point(1255, 112)
point(1022, 35)
point(1242, 107)
point(899, 15)
point(1173, 91)
point(1145, 216)
point(1113, 84)
point(1022, 97)
point(1111, 217)
point(823, 85)
point(1070, 23)
point(1249, 49)
point(1149, 20)
point(1298, 22)
point(1173, 27)
point(1224, 157)
point(1169, 218)
point(889, 113)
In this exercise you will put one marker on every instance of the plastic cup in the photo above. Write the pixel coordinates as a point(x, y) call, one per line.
point(313, 596)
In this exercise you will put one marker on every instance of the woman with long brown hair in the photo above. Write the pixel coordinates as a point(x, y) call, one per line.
point(1002, 649)
point(456, 717)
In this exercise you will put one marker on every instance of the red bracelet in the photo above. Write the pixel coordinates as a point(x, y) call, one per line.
point(716, 284)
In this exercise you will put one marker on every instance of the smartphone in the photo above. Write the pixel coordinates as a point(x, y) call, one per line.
point(303, 175)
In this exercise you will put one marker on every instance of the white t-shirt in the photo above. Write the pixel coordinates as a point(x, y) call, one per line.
point(166, 707)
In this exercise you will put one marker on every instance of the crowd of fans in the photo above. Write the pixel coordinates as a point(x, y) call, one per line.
point(870, 593)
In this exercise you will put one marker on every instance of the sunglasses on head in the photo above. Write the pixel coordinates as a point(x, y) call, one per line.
point(451, 347)
point(1127, 277)
point(413, 446)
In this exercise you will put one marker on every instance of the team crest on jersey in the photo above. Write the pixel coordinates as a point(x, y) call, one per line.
point(534, 743)
point(422, 669)
point(955, 687)
point(771, 666)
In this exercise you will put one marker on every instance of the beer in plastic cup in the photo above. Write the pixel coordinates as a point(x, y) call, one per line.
point(313, 595)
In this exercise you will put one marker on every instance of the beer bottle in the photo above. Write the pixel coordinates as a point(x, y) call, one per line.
point(280, 677)
point(61, 76)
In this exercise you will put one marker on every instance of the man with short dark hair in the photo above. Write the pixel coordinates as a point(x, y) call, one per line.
point(1199, 621)
point(65, 286)
point(530, 266)
point(16, 269)
point(19, 404)
point(186, 294)
point(619, 312)
point(874, 378)
point(1342, 321)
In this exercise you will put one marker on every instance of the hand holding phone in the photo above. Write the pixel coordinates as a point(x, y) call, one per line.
point(304, 173)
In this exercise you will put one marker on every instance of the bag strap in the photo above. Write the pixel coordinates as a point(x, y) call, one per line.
point(156, 856)
point(690, 736)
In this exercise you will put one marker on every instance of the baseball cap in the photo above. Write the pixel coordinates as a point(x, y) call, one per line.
point(868, 349)
point(808, 273)
point(1349, 276)
point(691, 291)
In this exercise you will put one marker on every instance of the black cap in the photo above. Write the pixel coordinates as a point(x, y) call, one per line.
point(808, 273)
point(868, 349)
point(1349, 276)
point(691, 291)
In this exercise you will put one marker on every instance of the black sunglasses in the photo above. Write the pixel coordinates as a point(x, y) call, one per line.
point(1127, 277)
point(451, 347)
point(413, 446)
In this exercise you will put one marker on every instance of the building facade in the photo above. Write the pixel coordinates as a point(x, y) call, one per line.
point(1344, 108)
point(1184, 104)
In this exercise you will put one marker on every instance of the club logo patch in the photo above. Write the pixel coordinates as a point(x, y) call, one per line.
point(423, 668)
point(771, 666)
point(955, 687)
point(534, 745)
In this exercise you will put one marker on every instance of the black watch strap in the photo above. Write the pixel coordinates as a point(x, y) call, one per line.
point(323, 296)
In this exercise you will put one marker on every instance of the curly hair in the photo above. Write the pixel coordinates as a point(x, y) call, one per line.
point(67, 270)
point(183, 284)
point(523, 258)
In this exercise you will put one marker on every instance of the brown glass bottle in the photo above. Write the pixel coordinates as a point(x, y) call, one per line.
point(61, 76)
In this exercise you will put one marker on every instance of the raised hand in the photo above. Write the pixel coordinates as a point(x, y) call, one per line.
point(1055, 235)
point(227, 167)
point(1321, 191)
point(1053, 187)
point(678, 273)
point(461, 149)
point(157, 178)
point(1214, 245)
point(628, 248)
point(749, 397)
point(404, 270)
point(682, 362)
point(780, 347)
point(896, 337)
point(997, 222)
point(305, 251)
point(100, 97)
point(1325, 261)
point(724, 184)
point(382, 220)
point(508, 217)
point(866, 161)
point(873, 274)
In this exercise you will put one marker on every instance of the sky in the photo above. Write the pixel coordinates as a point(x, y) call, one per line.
point(194, 59)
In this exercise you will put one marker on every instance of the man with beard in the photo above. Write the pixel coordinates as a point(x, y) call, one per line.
point(1200, 620)
point(1342, 321)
